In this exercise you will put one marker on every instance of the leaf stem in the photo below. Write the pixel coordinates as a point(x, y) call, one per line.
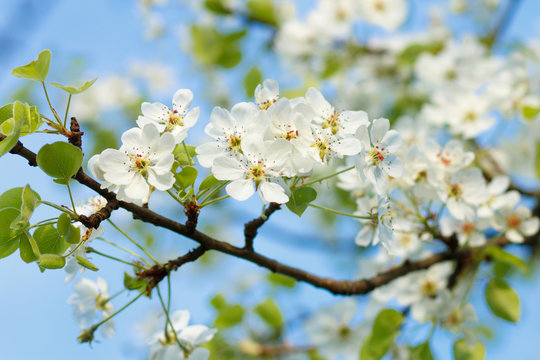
point(215, 200)
point(340, 212)
point(92, 250)
point(328, 176)
point(133, 241)
point(126, 250)
point(71, 198)
point(215, 191)
point(67, 110)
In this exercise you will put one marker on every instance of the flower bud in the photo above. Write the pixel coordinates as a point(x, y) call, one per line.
point(51, 261)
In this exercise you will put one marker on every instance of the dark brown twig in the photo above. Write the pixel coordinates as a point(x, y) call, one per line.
point(251, 228)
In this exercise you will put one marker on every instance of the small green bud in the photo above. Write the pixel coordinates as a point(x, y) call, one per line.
point(87, 335)
point(51, 261)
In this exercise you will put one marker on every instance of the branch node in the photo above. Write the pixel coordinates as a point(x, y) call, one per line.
point(251, 228)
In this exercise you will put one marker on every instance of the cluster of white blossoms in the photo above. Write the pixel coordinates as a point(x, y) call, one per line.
point(145, 159)
point(332, 22)
point(268, 145)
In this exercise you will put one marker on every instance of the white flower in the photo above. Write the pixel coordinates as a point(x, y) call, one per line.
point(285, 122)
point(469, 231)
point(463, 192)
point(229, 129)
point(145, 159)
point(330, 146)
point(377, 160)
point(516, 224)
point(327, 116)
point(177, 120)
point(331, 331)
point(89, 299)
point(260, 164)
point(379, 229)
point(163, 346)
point(266, 94)
point(389, 14)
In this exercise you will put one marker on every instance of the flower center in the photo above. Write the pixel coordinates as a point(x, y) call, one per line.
point(344, 331)
point(175, 119)
point(169, 339)
point(332, 122)
point(323, 146)
point(455, 190)
point(470, 117)
point(257, 173)
point(467, 228)
point(379, 5)
point(235, 142)
point(266, 104)
point(376, 155)
point(101, 302)
point(429, 288)
point(289, 135)
point(513, 221)
point(450, 74)
point(140, 163)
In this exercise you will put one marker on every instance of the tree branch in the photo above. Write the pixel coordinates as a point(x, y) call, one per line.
point(250, 228)
point(341, 287)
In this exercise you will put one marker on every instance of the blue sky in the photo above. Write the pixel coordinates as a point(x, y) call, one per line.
point(35, 319)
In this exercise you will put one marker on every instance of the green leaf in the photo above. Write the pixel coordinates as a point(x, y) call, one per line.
point(507, 258)
point(32, 120)
point(385, 329)
point(49, 240)
point(212, 47)
point(229, 316)
point(180, 154)
point(60, 160)
point(73, 90)
point(29, 201)
point(63, 224)
point(12, 128)
point(25, 248)
point(51, 261)
point(218, 302)
point(36, 69)
point(107, 140)
point(84, 262)
point(269, 311)
point(502, 300)
point(462, 350)
point(263, 11)
point(300, 198)
point(135, 283)
point(208, 182)
point(9, 238)
point(421, 352)
point(6, 112)
point(281, 280)
point(74, 235)
point(251, 80)
point(217, 7)
point(332, 65)
point(186, 177)
point(530, 112)
point(411, 53)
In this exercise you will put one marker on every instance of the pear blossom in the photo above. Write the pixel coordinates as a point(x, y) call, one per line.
point(389, 14)
point(379, 228)
point(145, 159)
point(327, 116)
point(377, 160)
point(259, 166)
point(331, 331)
point(229, 128)
point(176, 121)
point(91, 298)
point(266, 94)
point(463, 192)
point(517, 223)
point(164, 346)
